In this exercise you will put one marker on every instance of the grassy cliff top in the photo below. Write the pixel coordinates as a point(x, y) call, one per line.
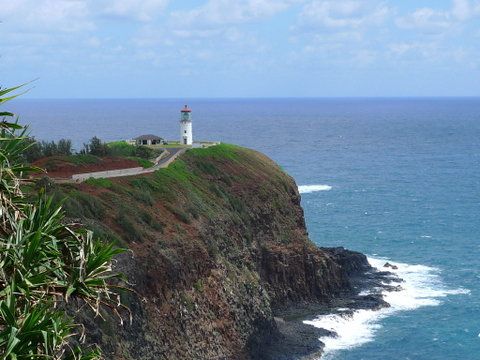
point(199, 184)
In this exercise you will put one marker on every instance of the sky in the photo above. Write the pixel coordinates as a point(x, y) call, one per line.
point(234, 48)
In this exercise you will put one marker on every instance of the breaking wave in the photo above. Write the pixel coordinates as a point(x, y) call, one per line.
point(305, 189)
point(422, 286)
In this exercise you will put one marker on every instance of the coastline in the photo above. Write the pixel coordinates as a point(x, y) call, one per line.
point(300, 339)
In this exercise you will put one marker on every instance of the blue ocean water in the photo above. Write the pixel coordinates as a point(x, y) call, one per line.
point(403, 180)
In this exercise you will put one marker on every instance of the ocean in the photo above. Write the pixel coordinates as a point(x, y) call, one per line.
point(396, 179)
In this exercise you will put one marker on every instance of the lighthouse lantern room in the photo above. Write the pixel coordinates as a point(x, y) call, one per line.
point(186, 137)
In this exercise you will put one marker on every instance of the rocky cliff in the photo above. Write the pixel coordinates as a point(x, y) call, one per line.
point(218, 247)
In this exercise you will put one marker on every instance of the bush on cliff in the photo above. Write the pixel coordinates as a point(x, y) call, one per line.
point(44, 264)
point(39, 149)
point(124, 149)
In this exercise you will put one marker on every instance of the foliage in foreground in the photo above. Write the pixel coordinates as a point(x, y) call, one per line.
point(46, 266)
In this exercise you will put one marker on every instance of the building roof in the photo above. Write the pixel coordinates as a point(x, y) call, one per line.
point(148, 137)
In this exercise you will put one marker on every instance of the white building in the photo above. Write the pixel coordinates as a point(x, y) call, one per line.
point(186, 136)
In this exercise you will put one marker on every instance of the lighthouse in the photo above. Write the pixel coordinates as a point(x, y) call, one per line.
point(186, 137)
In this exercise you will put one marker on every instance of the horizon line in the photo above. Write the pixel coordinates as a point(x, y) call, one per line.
point(259, 97)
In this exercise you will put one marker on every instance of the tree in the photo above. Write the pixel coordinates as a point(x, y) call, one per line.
point(64, 147)
point(49, 148)
point(37, 150)
point(34, 150)
point(96, 147)
point(44, 264)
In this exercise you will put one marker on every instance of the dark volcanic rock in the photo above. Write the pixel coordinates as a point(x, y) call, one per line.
point(292, 340)
point(388, 265)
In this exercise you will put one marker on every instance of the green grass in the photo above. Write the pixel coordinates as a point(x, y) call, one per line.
point(220, 151)
point(186, 178)
point(146, 164)
point(121, 148)
point(102, 182)
point(82, 159)
point(169, 146)
point(177, 173)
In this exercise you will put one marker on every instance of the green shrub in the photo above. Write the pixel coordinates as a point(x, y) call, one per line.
point(124, 149)
point(44, 184)
point(146, 152)
point(187, 301)
point(121, 148)
point(81, 205)
point(102, 232)
point(144, 196)
point(148, 219)
point(198, 285)
point(125, 223)
point(179, 214)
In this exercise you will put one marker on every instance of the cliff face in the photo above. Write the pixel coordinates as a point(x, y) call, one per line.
point(219, 246)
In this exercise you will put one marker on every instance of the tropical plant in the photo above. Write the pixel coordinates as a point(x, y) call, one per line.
point(46, 265)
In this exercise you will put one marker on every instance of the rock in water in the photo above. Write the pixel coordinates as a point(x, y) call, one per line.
point(388, 265)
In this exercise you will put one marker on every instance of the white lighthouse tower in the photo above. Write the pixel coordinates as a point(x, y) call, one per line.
point(186, 137)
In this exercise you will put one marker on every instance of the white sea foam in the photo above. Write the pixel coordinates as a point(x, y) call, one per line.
point(422, 286)
point(305, 189)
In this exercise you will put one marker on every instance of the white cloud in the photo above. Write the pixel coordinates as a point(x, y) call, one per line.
point(340, 32)
point(94, 42)
point(465, 9)
point(210, 28)
point(41, 15)
point(336, 14)
point(424, 49)
point(229, 12)
point(142, 10)
point(426, 19)
point(433, 52)
point(432, 20)
point(461, 9)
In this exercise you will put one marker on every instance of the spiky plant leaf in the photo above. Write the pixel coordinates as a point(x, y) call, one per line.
point(43, 264)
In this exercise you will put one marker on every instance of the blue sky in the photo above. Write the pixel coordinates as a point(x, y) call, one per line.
point(233, 48)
